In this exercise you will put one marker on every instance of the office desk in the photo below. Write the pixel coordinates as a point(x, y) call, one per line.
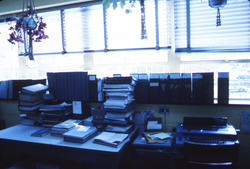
point(162, 153)
point(18, 139)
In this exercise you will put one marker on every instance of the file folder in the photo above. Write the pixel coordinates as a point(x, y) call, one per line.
point(223, 87)
point(142, 88)
point(197, 88)
point(208, 88)
point(186, 88)
point(154, 88)
point(93, 93)
point(175, 88)
point(164, 88)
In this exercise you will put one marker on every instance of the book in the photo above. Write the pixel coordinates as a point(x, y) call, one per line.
point(30, 97)
point(24, 120)
point(34, 89)
point(60, 128)
point(25, 103)
point(80, 134)
point(28, 108)
point(111, 139)
point(42, 132)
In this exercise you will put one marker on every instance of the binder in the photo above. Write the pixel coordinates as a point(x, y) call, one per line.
point(208, 88)
point(154, 88)
point(186, 88)
point(93, 93)
point(141, 89)
point(223, 87)
point(4, 86)
point(164, 88)
point(175, 88)
point(197, 88)
point(69, 86)
point(64, 86)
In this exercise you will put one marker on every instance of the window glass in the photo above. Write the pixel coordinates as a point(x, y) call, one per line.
point(84, 29)
point(53, 44)
point(239, 78)
point(126, 30)
point(8, 53)
point(127, 62)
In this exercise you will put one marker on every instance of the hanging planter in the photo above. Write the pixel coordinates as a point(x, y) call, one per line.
point(29, 24)
point(217, 4)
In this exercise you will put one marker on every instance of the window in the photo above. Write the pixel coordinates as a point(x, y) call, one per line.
point(8, 54)
point(197, 32)
point(84, 37)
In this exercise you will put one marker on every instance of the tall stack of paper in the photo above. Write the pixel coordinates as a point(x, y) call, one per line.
point(119, 98)
point(30, 99)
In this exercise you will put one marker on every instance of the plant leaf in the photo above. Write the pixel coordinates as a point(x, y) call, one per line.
point(122, 3)
point(114, 5)
point(127, 11)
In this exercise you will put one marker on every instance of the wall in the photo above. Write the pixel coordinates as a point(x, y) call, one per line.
point(10, 113)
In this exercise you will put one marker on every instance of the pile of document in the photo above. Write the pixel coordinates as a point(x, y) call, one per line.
point(54, 114)
point(80, 134)
point(158, 137)
point(119, 98)
point(30, 99)
point(111, 139)
point(60, 128)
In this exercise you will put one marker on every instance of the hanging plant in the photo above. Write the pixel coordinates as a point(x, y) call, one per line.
point(30, 23)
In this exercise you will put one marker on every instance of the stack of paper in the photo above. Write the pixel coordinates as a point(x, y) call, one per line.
point(119, 116)
point(118, 129)
point(157, 136)
point(111, 139)
point(80, 134)
point(119, 98)
point(59, 129)
point(54, 114)
point(31, 97)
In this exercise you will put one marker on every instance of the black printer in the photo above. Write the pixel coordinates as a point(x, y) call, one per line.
point(214, 130)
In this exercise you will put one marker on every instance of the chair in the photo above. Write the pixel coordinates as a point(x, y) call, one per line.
point(210, 156)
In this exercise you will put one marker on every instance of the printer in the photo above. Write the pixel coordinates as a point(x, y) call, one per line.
point(213, 130)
